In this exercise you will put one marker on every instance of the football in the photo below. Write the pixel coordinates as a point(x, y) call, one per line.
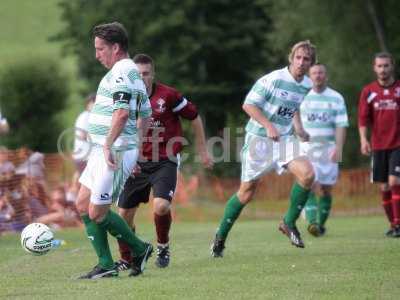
point(37, 238)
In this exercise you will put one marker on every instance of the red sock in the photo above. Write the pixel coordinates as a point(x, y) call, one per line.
point(396, 204)
point(124, 251)
point(387, 205)
point(163, 224)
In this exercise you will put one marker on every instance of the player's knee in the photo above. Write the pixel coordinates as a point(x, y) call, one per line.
point(307, 177)
point(161, 206)
point(245, 195)
point(127, 214)
point(393, 181)
point(82, 208)
point(96, 216)
point(325, 192)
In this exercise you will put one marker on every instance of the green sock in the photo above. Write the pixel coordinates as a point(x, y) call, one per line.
point(98, 238)
point(325, 204)
point(298, 198)
point(311, 209)
point(118, 228)
point(232, 211)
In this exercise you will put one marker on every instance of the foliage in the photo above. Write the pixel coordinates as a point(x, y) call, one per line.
point(345, 36)
point(214, 50)
point(33, 92)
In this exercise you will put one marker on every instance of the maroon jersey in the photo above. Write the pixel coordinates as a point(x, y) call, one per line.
point(165, 134)
point(379, 108)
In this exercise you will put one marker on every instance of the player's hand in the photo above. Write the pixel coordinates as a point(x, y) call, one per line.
point(335, 155)
point(136, 170)
point(272, 133)
point(206, 160)
point(303, 135)
point(365, 147)
point(109, 158)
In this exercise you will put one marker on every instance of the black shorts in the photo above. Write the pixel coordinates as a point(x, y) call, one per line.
point(385, 163)
point(161, 176)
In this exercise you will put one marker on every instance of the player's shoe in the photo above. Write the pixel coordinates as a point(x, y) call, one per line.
point(122, 265)
point(314, 230)
point(99, 272)
point(293, 234)
point(217, 247)
point(396, 231)
point(139, 262)
point(322, 230)
point(163, 255)
point(389, 232)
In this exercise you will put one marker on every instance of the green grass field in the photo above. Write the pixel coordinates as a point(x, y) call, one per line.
point(353, 261)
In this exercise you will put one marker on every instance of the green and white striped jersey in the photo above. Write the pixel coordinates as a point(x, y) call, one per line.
point(121, 88)
point(278, 95)
point(322, 113)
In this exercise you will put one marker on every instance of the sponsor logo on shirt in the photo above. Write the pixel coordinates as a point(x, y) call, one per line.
point(387, 104)
point(283, 94)
point(321, 117)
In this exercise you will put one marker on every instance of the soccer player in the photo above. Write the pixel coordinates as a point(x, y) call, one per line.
point(4, 128)
point(81, 143)
point(161, 151)
point(113, 131)
point(379, 110)
point(273, 106)
point(324, 117)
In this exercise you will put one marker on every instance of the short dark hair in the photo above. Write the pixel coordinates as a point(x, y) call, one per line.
point(318, 64)
point(384, 55)
point(113, 33)
point(143, 59)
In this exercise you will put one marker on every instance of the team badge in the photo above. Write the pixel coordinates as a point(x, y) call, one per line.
point(160, 107)
point(386, 92)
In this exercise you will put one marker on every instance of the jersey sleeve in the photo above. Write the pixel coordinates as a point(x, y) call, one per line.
point(341, 118)
point(260, 92)
point(122, 87)
point(183, 107)
point(364, 114)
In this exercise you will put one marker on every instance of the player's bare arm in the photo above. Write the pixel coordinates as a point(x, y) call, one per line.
point(255, 113)
point(299, 129)
point(118, 121)
point(365, 145)
point(340, 138)
point(201, 144)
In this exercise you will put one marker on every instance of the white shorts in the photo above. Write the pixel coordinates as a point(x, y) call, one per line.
point(260, 155)
point(326, 171)
point(104, 183)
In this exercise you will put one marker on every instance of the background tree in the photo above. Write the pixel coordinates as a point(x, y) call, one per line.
point(214, 50)
point(33, 92)
point(347, 37)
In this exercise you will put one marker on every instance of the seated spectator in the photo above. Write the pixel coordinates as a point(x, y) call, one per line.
point(17, 198)
point(32, 166)
point(6, 166)
point(6, 212)
point(37, 198)
point(62, 213)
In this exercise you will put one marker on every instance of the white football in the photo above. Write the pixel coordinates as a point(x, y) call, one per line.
point(37, 238)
